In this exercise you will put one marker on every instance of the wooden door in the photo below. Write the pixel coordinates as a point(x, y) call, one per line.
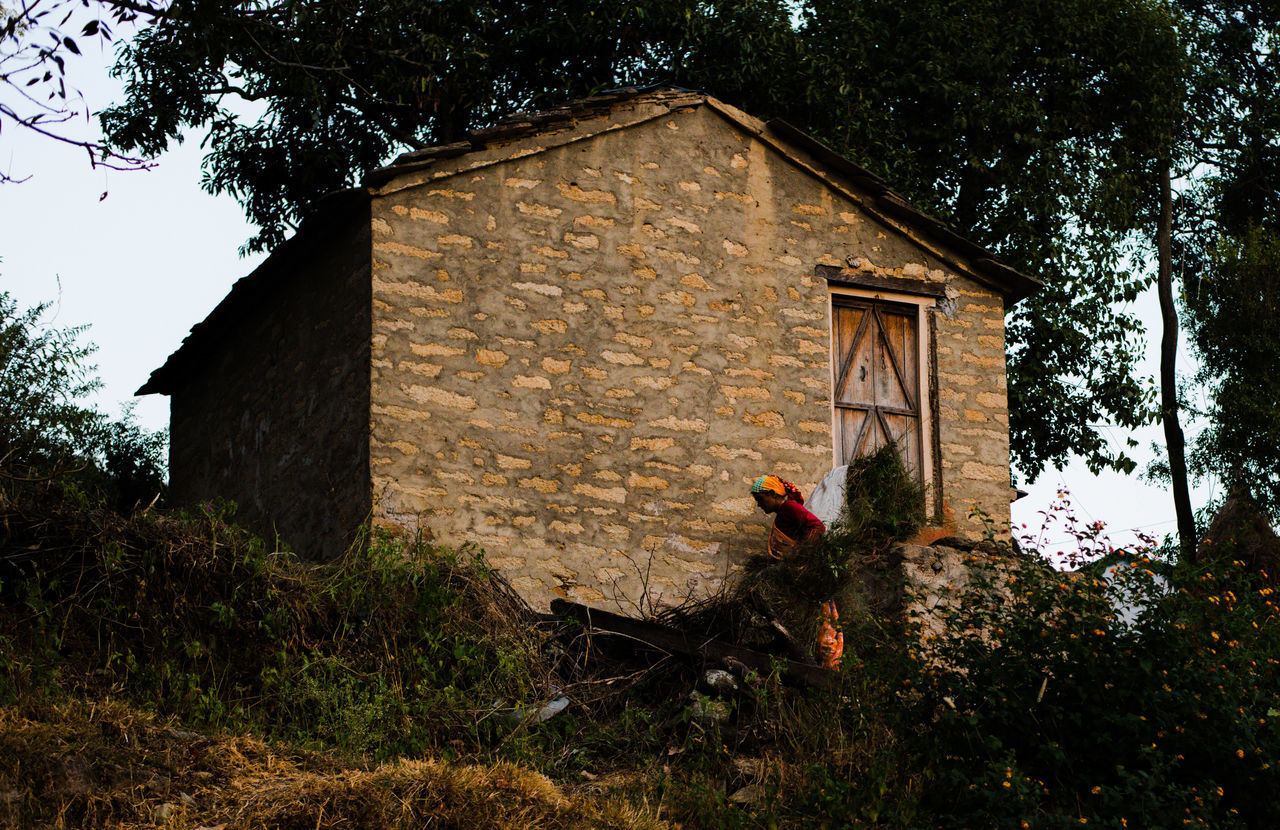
point(877, 379)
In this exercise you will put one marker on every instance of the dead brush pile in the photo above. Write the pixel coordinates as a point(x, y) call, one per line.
point(789, 754)
point(395, 649)
point(109, 765)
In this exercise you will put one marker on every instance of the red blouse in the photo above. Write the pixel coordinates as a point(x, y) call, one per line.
point(795, 520)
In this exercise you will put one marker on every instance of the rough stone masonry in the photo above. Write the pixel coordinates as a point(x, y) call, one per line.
point(584, 339)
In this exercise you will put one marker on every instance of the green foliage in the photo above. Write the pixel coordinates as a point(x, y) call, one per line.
point(405, 74)
point(1033, 704)
point(884, 503)
point(38, 38)
point(1236, 330)
point(124, 463)
point(391, 650)
point(44, 374)
point(49, 436)
point(1038, 139)
point(852, 562)
point(1048, 709)
point(1043, 138)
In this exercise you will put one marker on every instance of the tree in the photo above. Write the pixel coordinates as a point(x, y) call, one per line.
point(44, 375)
point(1224, 148)
point(1045, 138)
point(1034, 138)
point(49, 434)
point(343, 85)
point(1039, 139)
point(1175, 441)
point(37, 37)
point(1236, 329)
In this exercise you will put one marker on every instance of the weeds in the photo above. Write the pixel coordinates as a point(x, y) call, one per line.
point(75, 765)
point(393, 649)
point(1036, 704)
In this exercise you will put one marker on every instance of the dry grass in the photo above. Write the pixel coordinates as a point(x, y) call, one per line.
point(108, 765)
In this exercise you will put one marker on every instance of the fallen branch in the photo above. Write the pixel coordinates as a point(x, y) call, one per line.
point(665, 638)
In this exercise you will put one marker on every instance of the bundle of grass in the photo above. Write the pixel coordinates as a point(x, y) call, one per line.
point(107, 764)
point(775, 603)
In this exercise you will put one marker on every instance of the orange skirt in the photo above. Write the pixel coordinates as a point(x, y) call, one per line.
point(830, 638)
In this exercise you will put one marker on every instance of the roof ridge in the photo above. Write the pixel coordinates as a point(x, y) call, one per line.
point(520, 123)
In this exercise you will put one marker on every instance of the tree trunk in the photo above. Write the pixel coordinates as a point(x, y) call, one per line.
point(1173, 436)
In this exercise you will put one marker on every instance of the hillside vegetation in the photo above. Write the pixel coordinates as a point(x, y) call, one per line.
point(170, 669)
point(167, 668)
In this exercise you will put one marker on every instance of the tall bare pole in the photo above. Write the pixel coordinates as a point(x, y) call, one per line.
point(1173, 437)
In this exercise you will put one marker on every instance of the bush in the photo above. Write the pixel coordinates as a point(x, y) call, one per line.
point(44, 373)
point(1049, 710)
point(1036, 705)
point(49, 436)
point(388, 651)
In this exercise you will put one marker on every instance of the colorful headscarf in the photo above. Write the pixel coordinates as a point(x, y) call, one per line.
point(773, 484)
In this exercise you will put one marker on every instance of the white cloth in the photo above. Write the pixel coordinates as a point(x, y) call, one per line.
point(827, 499)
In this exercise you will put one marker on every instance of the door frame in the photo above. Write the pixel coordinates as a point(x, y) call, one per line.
point(924, 375)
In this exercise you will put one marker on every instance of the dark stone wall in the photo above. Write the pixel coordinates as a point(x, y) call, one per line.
point(275, 416)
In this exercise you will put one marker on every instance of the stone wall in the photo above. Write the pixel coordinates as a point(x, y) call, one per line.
point(973, 409)
point(583, 355)
point(276, 417)
point(938, 581)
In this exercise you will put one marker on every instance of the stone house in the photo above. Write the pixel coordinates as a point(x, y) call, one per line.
point(575, 338)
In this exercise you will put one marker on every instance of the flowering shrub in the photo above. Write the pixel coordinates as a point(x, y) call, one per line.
point(1047, 710)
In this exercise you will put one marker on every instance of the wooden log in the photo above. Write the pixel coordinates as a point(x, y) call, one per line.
point(666, 638)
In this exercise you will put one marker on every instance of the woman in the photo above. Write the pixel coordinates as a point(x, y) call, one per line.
point(794, 525)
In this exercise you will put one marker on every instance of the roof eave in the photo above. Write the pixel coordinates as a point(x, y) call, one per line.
point(984, 265)
point(332, 208)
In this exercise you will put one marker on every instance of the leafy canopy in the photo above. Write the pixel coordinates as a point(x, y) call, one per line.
point(1236, 330)
point(44, 374)
point(1038, 138)
point(38, 38)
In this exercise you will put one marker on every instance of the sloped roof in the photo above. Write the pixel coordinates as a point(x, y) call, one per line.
point(588, 117)
point(205, 336)
point(531, 133)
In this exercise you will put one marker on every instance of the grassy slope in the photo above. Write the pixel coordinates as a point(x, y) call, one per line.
point(175, 660)
point(376, 683)
point(108, 764)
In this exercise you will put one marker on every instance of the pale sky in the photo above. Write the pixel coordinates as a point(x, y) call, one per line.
point(149, 261)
